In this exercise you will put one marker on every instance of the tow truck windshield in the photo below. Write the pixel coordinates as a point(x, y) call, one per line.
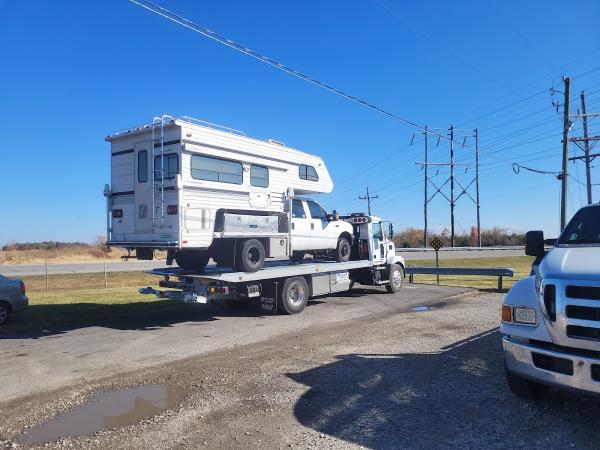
point(584, 228)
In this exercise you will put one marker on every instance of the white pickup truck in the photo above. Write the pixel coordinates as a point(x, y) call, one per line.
point(551, 319)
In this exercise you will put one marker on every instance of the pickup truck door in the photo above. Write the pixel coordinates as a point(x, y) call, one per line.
point(300, 226)
point(322, 232)
point(378, 243)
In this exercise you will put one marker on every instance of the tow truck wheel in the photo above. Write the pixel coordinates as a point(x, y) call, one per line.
point(396, 279)
point(192, 260)
point(343, 250)
point(250, 256)
point(293, 296)
point(524, 388)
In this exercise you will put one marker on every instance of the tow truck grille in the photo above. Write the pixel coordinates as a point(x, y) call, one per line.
point(583, 292)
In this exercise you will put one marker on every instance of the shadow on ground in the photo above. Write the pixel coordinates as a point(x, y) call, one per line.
point(455, 398)
point(54, 319)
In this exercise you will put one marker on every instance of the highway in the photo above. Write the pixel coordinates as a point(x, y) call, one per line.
point(16, 270)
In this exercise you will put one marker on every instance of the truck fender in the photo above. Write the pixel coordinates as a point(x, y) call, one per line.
point(396, 260)
point(523, 293)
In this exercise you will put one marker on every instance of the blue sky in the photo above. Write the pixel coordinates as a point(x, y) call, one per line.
point(76, 71)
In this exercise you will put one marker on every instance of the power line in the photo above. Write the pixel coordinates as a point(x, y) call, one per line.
point(264, 59)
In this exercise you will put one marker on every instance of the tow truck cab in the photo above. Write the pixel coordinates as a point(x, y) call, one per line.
point(551, 319)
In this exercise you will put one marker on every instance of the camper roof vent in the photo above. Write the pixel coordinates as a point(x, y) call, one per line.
point(276, 142)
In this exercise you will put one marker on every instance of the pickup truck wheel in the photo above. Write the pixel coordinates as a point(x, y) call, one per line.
point(4, 313)
point(395, 280)
point(343, 250)
point(192, 260)
point(524, 388)
point(250, 256)
point(293, 296)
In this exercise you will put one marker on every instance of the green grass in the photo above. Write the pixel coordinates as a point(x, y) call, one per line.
point(81, 300)
point(521, 266)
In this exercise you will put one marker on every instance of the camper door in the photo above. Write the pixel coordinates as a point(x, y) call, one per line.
point(143, 187)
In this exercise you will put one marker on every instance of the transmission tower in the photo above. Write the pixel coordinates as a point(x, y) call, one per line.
point(453, 134)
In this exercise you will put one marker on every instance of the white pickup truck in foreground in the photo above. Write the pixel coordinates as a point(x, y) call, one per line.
point(551, 320)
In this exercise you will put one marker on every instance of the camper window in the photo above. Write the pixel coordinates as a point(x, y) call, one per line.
point(259, 176)
point(171, 166)
point(142, 173)
point(216, 169)
point(308, 173)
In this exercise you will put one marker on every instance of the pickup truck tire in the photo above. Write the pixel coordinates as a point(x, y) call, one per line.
point(343, 250)
point(4, 313)
point(250, 256)
point(524, 388)
point(396, 278)
point(293, 296)
point(192, 260)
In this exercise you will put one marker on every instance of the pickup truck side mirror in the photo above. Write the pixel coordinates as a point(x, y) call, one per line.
point(534, 243)
point(336, 215)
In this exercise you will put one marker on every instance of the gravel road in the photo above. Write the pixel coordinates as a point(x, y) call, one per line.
point(385, 377)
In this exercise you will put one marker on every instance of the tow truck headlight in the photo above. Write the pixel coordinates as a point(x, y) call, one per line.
point(525, 316)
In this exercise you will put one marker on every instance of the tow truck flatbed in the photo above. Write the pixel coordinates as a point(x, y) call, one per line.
point(271, 270)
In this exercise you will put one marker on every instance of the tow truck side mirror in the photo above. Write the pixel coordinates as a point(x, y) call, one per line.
point(391, 231)
point(534, 243)
point(336, 215)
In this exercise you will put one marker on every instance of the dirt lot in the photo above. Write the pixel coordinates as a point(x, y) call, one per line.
point(378, 375)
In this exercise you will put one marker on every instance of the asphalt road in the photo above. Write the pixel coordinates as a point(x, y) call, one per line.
point(16, 270)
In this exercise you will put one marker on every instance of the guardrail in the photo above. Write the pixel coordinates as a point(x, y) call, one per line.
point(460, 249)
point(482, 271)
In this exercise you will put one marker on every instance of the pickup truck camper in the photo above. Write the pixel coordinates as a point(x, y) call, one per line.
point(204, 191)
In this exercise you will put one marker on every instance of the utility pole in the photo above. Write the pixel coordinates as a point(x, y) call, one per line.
point(477, 186)
point(586, 150)
point(451, 186)
point(426, 184)
point(565, 156)
point(368, 198)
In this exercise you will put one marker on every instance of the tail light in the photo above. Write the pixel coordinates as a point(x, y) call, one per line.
point(172, 210)
point(550, 301)
point(22, 288)
point(117, 213)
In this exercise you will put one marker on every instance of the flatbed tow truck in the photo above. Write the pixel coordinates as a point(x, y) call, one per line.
point(284, 286)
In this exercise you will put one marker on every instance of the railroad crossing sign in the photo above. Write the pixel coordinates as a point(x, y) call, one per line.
point(436, 244)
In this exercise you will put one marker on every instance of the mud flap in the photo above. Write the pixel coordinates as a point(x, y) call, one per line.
point(268, 298)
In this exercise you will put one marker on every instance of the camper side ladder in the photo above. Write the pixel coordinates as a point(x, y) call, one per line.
point(158, 178)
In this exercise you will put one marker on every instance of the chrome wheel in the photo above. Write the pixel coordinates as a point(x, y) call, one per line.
point(397, 279)
point(296, 294)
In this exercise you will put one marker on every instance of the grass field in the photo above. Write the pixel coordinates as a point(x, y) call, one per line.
point(82, 300)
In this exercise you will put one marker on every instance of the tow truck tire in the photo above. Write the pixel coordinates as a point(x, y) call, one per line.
point(395, 279)
point(524, 388)
point(192, 260)
point(343, 250)
point(293, 296)
point(250, 256)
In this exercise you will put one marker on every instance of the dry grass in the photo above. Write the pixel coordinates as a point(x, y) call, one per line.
point(62, 255)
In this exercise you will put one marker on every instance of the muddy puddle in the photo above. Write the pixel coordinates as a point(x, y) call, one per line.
point(107, 410)
point(421, 308)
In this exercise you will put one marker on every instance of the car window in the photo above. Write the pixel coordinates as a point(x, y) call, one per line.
point(377, 231)
point(584, 228)
point(316, 211)
point(298, 209)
